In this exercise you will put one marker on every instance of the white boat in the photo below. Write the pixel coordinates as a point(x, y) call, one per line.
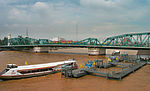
point(13, 71)
point(116, 53)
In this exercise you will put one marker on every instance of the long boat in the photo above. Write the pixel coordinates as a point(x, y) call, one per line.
point(12, 71)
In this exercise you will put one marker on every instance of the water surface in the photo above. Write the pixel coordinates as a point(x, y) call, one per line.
point(137, 81)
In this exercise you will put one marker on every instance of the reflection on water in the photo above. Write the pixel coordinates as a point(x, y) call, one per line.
point(138, 81)
point(69, 53)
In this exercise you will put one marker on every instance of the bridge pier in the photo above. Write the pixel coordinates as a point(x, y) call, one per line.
point(143, 52)
point(96, 51)
point(41, 49)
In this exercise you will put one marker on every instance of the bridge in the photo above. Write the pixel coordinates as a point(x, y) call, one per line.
point(134, 41)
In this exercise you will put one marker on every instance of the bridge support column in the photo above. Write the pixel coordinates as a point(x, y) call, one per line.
point(96, 51)
point(143, 52)
point(41, 49)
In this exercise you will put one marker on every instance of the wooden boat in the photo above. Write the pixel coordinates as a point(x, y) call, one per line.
point(13, 71)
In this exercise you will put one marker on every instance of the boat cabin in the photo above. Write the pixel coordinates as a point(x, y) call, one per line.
point(8, 67)
point(11, 66)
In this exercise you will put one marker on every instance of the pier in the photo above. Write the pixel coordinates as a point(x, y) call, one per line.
point(116, 75)
point(67, 71)
point(115, 69)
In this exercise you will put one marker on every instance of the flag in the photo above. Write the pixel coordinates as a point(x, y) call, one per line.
point(117, 59)
point(109, 59)
point(93, 63)
point(81, 66)
point(26, 63)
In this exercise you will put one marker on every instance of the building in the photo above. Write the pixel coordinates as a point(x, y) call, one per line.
point(57, 39)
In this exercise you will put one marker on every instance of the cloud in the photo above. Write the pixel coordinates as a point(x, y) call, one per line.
point(97, 3)
point(40, 6)
point(16, 14)
point(48, 18)
point(117, 11)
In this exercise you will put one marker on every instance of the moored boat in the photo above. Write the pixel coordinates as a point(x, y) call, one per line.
point(116, 53)
point(13, 71)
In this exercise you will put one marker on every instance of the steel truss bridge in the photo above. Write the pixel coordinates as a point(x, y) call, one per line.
point(137, 41)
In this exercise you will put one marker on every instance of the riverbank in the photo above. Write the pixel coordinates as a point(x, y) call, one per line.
point(85, 51)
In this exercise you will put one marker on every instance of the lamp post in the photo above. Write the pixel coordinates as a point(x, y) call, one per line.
point(9, 37)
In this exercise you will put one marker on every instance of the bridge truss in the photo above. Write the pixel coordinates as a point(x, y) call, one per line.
point(134, 39)
point(24, 41)
point(89, 41)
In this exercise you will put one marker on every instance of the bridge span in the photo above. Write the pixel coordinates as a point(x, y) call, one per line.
point(133, 41)
point(77, 46)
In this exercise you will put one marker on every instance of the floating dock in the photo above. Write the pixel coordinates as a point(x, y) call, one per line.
point(99, 66)
point(67, 71)
point(116, 75)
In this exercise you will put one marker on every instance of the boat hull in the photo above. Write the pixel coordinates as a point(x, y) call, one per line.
point(27, 75)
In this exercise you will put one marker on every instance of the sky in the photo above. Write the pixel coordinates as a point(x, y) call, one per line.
point(73, 19)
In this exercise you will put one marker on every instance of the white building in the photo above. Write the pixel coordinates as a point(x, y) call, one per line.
point(57, 39)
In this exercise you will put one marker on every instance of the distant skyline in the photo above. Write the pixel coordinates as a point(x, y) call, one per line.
point(53, 18)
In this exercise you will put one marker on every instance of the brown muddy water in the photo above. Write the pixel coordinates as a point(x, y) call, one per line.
point(137, 81)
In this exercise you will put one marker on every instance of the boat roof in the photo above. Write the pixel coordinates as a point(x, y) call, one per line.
point(116, 51)
point(37, 66)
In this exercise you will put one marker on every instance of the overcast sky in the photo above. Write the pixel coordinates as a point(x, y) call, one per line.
point(94, 18)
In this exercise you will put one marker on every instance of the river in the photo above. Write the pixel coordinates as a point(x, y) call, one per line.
point(137, 81)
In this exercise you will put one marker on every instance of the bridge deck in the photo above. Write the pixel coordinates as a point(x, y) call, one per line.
point(77, 46)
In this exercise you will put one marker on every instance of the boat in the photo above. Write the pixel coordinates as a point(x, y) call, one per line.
point(116, 53)
point(12, 71)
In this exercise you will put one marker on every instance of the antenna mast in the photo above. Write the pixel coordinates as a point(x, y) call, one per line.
point(27, 32)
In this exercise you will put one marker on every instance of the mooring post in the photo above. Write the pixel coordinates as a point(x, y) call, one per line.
point(61, 71)
point(71, 71)
point(133, 69)
point(67, 72)
point(120, 78)
point(107, 76)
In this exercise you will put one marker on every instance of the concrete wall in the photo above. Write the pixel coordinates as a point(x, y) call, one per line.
point(71, 50)
point(41, 49)
point(85, 51)
point(130, 52)
point(143, 52)
point(90, 50)
point(96, 51)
